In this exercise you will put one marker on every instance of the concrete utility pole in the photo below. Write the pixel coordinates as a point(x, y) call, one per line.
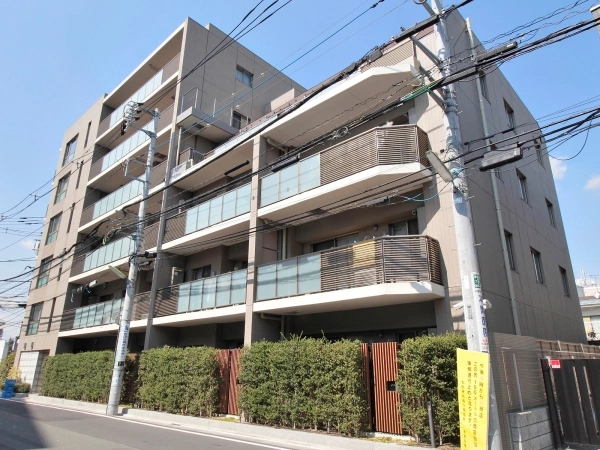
point(475, 320)
point(465, 240)
point(133, 109)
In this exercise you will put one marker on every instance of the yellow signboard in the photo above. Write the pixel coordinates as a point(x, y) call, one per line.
point(473, 394)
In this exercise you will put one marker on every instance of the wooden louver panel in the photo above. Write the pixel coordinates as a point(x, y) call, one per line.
point(348, 158)
point(385, 372)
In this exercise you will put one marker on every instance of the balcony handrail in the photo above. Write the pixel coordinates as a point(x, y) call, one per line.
point(369, 262)
point(94, 171)
point(159, 71)
point(388, 145)
point(334, 249)
point(353, 138)
point(200, 279)
point(103, 313)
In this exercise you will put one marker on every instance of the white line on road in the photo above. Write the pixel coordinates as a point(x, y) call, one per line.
point(198, 433)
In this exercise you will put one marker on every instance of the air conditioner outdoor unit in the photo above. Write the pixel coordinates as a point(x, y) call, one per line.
point(179, 170)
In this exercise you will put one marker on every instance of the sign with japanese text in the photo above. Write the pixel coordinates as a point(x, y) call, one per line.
point(473, 394)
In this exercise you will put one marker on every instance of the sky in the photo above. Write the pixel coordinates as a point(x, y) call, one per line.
point(59, 57)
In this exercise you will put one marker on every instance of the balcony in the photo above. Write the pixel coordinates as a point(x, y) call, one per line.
point(95, 320)
point(377, 156)
point(114, 200)
point(143, 94)
point(207, 125)
point(131, 147)
point(221, 298)
point(224, 214)
point(95, 263)
point(385, 271)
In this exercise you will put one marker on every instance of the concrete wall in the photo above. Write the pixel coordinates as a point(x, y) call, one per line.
point(544, 310)
point(217, 82)
point(531, 430)
point(56, 291)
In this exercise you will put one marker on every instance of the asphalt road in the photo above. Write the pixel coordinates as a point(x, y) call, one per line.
point(27, 426)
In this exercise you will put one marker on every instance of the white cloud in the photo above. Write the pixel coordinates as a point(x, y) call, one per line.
point(593, 184)
point(559, 168)
point(28, 244)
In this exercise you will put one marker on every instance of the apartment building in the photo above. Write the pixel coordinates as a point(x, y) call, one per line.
point(290, 211)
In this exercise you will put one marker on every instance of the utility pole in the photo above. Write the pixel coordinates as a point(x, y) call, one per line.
point(474, 308)
point(130, 116)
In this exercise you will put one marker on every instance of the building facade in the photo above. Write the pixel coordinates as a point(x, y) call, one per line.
point(288, 211)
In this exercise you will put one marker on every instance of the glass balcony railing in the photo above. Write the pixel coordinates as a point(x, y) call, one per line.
point(207, 293)
point(141, 94)
point(290, 181)
point(294, 276)
point(130, 144)
point(125, 147)
point(108, 253)
point(103, 313)
point(123, 194)
point(218, 209)
point(388, 259)
point(151, 85)
point(118, 197)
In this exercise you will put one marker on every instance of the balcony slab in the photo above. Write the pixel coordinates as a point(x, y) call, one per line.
point(354, 298)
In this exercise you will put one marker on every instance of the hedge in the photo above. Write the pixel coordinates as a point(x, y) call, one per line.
point(428, 373)
point(179, 380)
point(82, 376)
point(304, 383)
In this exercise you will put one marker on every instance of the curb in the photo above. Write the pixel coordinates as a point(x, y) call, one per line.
point(282, 435)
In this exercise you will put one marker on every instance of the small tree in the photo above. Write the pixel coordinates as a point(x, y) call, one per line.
point(428, 373)
point(5, 367)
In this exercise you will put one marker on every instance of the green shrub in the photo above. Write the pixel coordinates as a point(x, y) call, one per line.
point(428, 373)
point(304, 383)
point(5, 366)
point(22, 388)
point(81, 376)
point(179, 380)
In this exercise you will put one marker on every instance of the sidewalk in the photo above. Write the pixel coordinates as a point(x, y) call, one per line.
point(279, 436)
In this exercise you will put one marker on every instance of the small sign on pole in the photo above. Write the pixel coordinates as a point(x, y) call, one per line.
point(554, 363)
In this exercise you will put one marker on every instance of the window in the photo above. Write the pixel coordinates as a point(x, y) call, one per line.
point(244, 76)
point(201, 272)
point(53, 228)
point(337, 242)
point(70, 150)
point(550, 207)
point(510, 115)
point(565, 281)
point(404, 228)
point(537, 265)
point(523, 186)
point(51, 315)
point(44, 271)
point(61, 188)
point(34, 318)
point(87, 134)
point(238, 120)
point(510, 250)
point(484, 87)
point(538, 152)
point(70, 217)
